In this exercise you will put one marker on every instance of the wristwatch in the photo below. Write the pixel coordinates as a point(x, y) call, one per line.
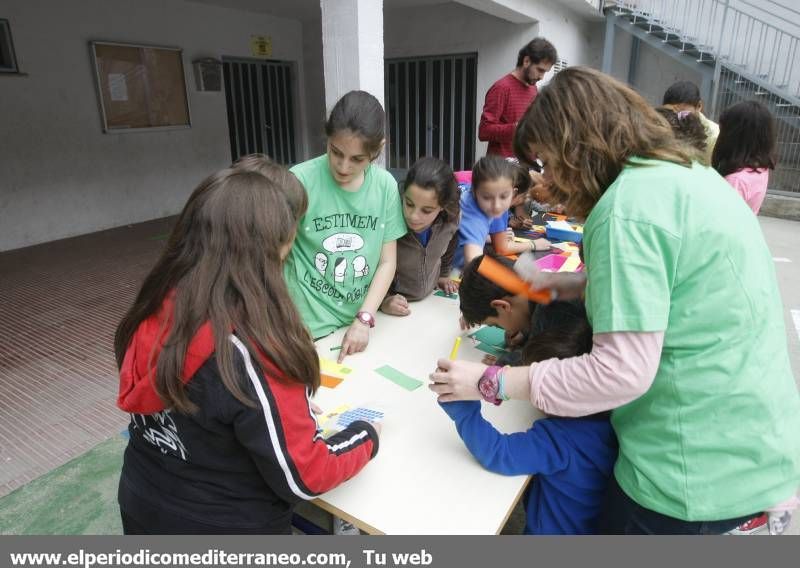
point(366, 318)
point(489, 386)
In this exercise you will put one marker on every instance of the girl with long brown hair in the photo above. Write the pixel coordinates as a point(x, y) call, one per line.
point(681, 287)
point(216, 370)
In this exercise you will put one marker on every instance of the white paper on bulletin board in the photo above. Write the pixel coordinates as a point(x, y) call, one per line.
point(117, 87)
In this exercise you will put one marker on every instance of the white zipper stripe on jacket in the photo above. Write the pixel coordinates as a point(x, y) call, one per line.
point(353, 439)
point(273, 433)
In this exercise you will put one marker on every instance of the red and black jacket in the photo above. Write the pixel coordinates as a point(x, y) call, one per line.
point(228, 465)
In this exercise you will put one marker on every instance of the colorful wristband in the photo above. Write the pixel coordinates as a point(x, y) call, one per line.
point(501, 384)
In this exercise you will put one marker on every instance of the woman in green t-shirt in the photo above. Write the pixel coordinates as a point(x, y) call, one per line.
point(689, 341)
point(344, 257)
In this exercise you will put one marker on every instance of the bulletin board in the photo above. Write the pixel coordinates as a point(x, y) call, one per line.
point(140, 87)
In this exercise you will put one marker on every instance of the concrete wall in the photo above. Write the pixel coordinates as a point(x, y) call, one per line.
point(620, 63)
point(579, 41)
point(453, 28)
point(316, 113)
point(59, 174)
point(654, 71)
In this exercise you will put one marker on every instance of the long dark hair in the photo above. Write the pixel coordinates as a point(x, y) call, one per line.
point(436, 175)
point(570, 337)
point(559, 330)
point(362, 114)
point(746, 138)
point(561, 343)
point(492, 167)
point(223, 264)
point(590, 125)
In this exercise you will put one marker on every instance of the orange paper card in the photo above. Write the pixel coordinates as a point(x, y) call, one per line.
point(329, 381)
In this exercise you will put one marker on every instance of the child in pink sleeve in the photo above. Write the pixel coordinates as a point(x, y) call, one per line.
point(751, 185)
point(745, 150)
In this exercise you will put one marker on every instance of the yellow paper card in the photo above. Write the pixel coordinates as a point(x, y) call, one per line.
point(572, 262)
point(331, 367)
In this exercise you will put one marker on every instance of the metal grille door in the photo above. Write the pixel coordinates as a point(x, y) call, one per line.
point(430, 106)
point(260, 108)
point(735, 87)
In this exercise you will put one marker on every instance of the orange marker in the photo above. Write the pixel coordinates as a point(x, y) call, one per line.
point(510, 281)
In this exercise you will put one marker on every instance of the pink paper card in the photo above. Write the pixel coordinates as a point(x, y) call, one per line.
point(551, 262)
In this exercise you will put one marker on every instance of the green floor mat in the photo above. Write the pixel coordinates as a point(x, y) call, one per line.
point(80, 497)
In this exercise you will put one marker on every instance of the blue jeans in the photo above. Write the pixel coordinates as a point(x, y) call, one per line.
point(622, 515)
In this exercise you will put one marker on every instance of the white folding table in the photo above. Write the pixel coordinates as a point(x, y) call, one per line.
point(423, 480)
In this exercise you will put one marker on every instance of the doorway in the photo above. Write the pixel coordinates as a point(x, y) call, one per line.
point(259, 99)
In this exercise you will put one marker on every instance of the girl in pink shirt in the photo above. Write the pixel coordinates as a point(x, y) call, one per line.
point(745, 150)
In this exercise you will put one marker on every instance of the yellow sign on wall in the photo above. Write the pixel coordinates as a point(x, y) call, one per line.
point(261, 46)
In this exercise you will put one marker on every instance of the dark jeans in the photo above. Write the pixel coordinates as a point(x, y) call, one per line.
point(622, 515)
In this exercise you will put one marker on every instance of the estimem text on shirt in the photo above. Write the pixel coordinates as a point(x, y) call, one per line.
point(345, 220)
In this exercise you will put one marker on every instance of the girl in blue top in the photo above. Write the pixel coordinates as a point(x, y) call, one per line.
point(484, 210)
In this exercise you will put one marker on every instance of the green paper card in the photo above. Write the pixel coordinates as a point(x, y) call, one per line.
point(490, 349)
point(492, 335)
point(398, 378)
point(443, 294)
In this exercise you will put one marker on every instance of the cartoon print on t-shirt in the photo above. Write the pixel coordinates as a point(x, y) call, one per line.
point(360, 267)
point(339, 268)
point(338, 245)
point(321, 262)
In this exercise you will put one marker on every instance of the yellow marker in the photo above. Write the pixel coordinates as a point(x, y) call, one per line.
point(454, 351)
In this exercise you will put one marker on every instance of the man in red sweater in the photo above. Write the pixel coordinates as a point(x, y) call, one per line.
point(509, 98)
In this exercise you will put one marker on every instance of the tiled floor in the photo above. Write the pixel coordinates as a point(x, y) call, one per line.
point(59, 306)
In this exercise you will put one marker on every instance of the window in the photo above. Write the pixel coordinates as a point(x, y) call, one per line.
point(8, 60)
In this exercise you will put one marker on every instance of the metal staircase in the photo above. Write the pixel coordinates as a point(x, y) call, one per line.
point(743, 49)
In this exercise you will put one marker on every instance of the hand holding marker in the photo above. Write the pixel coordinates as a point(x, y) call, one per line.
point(512, 282)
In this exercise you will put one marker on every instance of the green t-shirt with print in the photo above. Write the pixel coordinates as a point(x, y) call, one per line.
point(717, 435)
point(338, 244)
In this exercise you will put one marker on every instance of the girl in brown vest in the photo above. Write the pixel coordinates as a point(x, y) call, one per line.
point(430, 199)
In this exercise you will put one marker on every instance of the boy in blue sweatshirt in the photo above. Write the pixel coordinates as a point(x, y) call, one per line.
point(573, 458)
